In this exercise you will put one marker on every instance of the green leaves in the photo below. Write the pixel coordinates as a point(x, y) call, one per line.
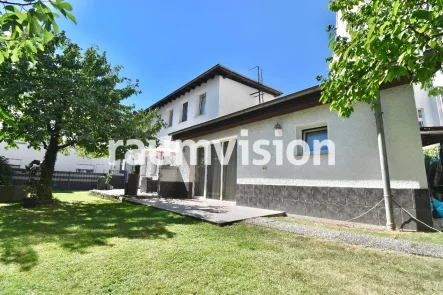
point(25, 26)
point(422, 15)
point(386, 40)
point(395, 8)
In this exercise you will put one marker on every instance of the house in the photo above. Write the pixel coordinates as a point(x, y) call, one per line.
point(22, 156)
point(217, 92)
point(347, 189)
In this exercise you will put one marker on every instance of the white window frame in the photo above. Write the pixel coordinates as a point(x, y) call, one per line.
point(187, 112)
point(422, 120)
point(316, 129)
point(200, 99)
point(170, 117)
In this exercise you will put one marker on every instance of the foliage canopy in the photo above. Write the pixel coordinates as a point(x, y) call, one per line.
point(71, 98)
point(385, 40)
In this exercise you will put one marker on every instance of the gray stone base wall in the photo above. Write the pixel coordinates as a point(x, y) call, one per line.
point(12, 193)
point(339, 203)
point(148, 185)
point(176, 190)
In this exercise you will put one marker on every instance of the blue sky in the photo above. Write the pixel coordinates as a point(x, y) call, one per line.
point(167, 43)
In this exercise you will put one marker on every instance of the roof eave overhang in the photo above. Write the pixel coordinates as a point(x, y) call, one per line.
point(295, 102)
point(298, 101)
point(217, 70)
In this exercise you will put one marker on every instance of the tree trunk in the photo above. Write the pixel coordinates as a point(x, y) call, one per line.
point(44, 192)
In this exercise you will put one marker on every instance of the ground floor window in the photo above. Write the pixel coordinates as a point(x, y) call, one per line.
point(310, 136)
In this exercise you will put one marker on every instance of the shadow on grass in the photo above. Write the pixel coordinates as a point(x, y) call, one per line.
point(77, 226)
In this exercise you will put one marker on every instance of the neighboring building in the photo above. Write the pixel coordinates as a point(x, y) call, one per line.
point(22, 156)
point(343, 191)
point(429, 109)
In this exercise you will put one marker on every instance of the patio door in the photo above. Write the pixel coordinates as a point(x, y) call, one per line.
point(213, 180)
point(230, 174)
point(200, 173)
point(221, 180)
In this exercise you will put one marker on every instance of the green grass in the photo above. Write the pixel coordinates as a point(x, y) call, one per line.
point(84, 245)
point(427, 237)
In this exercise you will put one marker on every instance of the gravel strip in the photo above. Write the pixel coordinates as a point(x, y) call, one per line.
point(401, 246)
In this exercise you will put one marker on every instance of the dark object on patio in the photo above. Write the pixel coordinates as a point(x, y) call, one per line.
point(131, 187)
point(101, 183)
point(11, 193)
point(148, 185)
point(137, 169)
point(30, 202)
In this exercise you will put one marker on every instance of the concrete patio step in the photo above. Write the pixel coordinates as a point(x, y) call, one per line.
point(213, 211)
point(220, 213)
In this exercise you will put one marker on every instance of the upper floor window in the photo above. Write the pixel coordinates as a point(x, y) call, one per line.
point(185, 112)
point(171, 116)
point(421, 117)
point(311, 136)
point(87, 171)
point(202, 105)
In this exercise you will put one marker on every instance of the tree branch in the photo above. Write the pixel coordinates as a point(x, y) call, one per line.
point(45, 146)
point(418, 33)
point(70, 143)
point(18, 3)
point(437, 35)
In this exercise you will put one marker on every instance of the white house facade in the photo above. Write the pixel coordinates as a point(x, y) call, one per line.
point(342, 191)
point(217, 92)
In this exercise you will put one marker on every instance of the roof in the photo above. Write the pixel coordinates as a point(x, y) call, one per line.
point(431, 135)
point(297, 101)
point(217, 70)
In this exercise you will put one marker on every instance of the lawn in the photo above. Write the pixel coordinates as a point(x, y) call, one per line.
point(84, 245)
point(427, 237)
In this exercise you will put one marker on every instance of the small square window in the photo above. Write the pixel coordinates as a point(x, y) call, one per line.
point(202, 105)
point(311, 136)
point(171, 117)
point(421, 117)
point(185, 112)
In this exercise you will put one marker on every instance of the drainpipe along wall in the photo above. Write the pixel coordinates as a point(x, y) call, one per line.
point(390, 224)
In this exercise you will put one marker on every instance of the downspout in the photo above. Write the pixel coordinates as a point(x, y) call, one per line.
point(390, 224)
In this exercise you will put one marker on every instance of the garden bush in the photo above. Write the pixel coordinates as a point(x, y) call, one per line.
point(5, 171)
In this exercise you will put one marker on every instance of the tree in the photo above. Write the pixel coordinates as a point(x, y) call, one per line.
point(25, 26)
point(5, 171)
point(70, 98)
point(387, 40)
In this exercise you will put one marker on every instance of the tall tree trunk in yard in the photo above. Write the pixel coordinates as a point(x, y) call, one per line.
point(44, 192)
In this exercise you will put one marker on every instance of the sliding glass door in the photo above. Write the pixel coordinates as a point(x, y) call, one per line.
point(200, 173)
point(221, 180)
point(230, 174)
point(213, 184)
